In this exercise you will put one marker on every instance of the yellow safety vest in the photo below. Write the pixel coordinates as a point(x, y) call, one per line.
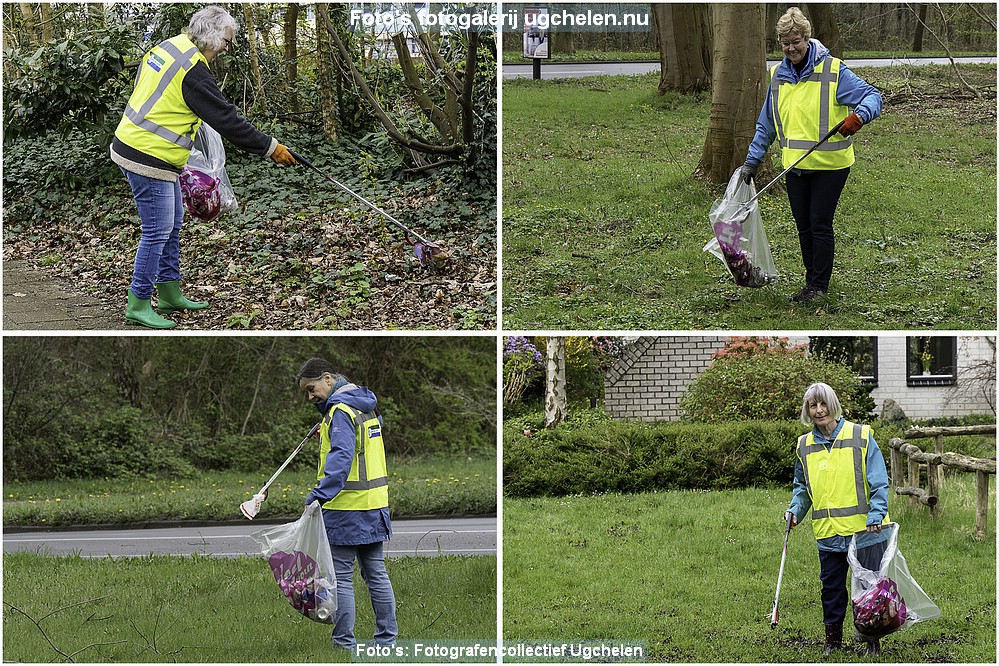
point(836, 479)
point(157, 121)
point(367, 483)
point(804, 112)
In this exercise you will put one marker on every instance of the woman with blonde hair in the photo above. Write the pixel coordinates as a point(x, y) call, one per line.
point(810, 93)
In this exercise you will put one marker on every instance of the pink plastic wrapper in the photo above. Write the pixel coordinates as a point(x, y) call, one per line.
point(299, 556)
point(303, 585)
point(201, 194)
point(880, 611)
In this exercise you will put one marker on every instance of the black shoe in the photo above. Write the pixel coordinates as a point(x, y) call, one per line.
point(834, 638)
point(807, 295)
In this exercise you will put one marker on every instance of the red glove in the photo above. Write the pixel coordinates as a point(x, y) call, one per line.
point(851, 125)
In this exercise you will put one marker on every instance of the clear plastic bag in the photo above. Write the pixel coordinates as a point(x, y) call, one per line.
point(204, 182)
point(300, 558)
point(740, 240)
point(888, 599)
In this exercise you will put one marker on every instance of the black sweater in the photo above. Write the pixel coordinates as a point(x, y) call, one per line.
point(203, 97)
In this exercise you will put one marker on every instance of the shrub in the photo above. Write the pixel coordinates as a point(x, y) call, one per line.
point(601, 456)
point(765, 378)
point(522, 364)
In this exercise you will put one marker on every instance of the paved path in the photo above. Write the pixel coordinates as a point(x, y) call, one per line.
point(424, 537)
point(32, 300)
point(571, 70)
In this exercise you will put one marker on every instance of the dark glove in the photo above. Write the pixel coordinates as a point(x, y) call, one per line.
point(282, 156)
point(748, 171)
point(851, 125)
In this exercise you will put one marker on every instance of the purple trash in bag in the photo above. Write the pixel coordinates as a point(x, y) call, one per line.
point(201, 195)
point(880, 610)
point(300, 580)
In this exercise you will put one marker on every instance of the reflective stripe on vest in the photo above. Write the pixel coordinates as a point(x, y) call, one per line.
point(367, 483)
point(163, 128)
point(836, 480)
point(804, 112)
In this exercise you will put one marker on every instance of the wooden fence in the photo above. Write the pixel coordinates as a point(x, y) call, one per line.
point(935, 462)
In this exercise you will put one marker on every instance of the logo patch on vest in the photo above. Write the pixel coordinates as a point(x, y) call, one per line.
point(155, 62)
point(374, 431)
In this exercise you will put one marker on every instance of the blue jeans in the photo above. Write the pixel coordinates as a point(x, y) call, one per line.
point(813, 196)
point(371, 558)
point(161, 211)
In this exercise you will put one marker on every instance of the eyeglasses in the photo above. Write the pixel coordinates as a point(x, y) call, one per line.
point(796, 43)
point(228, 43)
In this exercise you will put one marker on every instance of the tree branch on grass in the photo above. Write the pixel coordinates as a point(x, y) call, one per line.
point(38, 625)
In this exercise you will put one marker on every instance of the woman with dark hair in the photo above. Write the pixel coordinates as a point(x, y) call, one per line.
point(840, 474)
point(174, 92)
point(352, 487)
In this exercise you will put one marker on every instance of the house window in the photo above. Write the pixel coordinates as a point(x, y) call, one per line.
point(857, 352)
point(931, 360)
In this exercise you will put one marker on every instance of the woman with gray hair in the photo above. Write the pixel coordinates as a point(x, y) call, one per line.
point(174, 93)
point(810, 93)
point(830, 463)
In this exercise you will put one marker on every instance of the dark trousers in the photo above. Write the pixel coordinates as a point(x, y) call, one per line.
point(813, 196)
point(832, 573)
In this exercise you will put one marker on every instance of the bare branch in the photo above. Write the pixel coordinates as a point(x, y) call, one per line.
point(946, 49)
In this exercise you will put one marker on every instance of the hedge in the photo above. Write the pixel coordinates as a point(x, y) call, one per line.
point(630, 456)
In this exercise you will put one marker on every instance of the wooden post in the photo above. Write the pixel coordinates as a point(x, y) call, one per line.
point(913, 478)
point(932, 478)
point(981, 504)
point(897, 473)
point(938, 448)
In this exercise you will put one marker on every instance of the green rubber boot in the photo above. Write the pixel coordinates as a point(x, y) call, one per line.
point(140, 312)
point(169, 299)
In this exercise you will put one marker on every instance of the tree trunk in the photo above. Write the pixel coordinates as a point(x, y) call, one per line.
point(441, 120)
point(917, 40)
point(45, 10)
point(825, 27)
point(291, 53)
point(562, 42)
point(738, 89)
point(30, 26)
point(324, 59)
point(684, 47)
point(555, 396)
point(251, 36)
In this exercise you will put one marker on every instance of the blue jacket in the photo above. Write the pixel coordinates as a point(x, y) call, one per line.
point(347, 528)
point(851, 91)
point(877, 479)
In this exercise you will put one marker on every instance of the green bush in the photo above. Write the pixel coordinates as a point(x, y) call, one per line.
point(765, 379)
point(623, 456)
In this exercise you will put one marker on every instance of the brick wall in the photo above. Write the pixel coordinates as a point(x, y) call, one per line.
point(650, 380)
point(921, 402)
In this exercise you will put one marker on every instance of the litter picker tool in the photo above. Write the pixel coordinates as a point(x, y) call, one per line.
point(425, 250)
point(780, 575)
point(251, 507)
point(745, 206)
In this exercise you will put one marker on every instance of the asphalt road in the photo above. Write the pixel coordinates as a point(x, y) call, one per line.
point(556, 71)
point(453, 536)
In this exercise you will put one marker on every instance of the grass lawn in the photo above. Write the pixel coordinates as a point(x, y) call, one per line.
point(200, 609)
point(603, 224)
point(694, 573)
point(443, 486)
